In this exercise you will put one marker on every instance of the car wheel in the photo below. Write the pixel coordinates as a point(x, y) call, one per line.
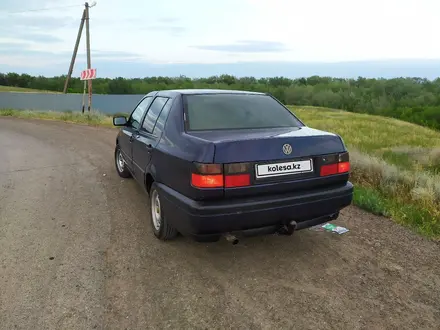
point(121, 166)
point(161, 228)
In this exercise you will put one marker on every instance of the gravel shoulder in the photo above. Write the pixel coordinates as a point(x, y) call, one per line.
point(77, 252)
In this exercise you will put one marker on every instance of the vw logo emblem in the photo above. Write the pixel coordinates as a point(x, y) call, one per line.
point(287, 149)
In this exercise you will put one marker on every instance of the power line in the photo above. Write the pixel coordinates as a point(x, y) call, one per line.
point(40, 9)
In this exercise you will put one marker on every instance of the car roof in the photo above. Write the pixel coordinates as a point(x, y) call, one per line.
point(176, 92)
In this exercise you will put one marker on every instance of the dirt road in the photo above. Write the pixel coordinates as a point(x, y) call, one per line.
point(77, 252)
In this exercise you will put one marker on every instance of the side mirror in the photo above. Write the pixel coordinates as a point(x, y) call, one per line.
point(119, 121)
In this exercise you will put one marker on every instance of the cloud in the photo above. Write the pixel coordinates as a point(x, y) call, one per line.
point(38, 21)
point(12, 46)
point(114, 55)
point(247, 46)
point(12, 5)
point(173, 30)
point(28, 35)
point(26, 50)
point(33, 29)
point(36, 37)
point(41, 37)
point(15, 54)
point(168, 19)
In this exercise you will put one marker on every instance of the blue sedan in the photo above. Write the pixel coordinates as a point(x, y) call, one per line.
point(230, 163)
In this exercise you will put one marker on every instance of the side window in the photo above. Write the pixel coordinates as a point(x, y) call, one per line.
point(136, 116)
point(153, 113)
point(160, 123)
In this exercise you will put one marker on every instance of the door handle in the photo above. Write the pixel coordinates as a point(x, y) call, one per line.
point(133, 136)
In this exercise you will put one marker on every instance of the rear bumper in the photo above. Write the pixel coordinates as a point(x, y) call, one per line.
point(263, 214)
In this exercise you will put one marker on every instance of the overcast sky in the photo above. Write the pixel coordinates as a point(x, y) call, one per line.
point(226, 31)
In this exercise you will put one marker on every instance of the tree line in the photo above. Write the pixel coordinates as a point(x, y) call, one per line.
point(415, 100)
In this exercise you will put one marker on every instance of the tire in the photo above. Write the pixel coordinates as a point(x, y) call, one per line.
point(121, 166)
point(161, 228)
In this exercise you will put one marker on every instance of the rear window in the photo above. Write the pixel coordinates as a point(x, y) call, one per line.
point(236, 111)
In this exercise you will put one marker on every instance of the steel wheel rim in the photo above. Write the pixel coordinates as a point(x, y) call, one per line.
point(156, 214)
point(120, 162)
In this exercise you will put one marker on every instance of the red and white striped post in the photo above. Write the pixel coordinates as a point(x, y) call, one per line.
point(87, 74)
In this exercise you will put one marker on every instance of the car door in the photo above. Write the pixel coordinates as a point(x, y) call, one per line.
point(133, 125)
point(146, 138)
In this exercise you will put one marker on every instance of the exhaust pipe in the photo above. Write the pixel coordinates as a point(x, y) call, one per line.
point(231, 238)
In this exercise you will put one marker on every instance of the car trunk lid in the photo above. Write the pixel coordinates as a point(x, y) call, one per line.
point(278, 160)
point(267, 144)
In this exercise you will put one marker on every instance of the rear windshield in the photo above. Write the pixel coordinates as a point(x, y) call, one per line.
point(236, 111)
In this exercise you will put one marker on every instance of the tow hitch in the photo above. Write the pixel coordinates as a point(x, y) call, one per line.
point(231, 238)
point(288, 229)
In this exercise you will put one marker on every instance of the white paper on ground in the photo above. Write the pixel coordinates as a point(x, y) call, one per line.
point(330, 227)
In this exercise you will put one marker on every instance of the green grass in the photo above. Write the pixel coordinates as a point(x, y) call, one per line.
point(395, 165)
point(93, 118)
point(414, 216)
point(23, 90)
point(371, 200)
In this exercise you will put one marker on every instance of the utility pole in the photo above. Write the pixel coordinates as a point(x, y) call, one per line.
point(85, 17)
point(75, 51)
point(89, 62)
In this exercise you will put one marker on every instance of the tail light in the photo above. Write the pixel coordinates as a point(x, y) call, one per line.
point(207, 176)
point(237, 175)
point(338, 164)
point(237, 180)
point(219, 176)
point(207, 181)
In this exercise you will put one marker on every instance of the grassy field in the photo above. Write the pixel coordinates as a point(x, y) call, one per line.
point(93, 118)
point(395, 165)
point(23, 90)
